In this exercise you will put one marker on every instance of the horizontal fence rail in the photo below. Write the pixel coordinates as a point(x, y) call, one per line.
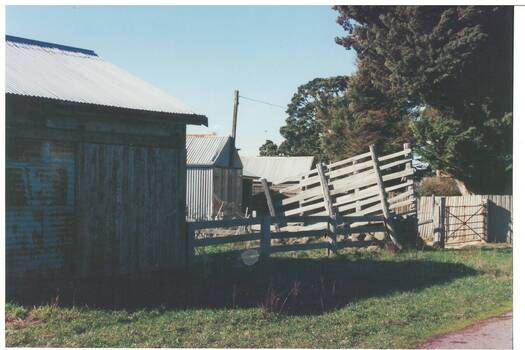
point(267, 239)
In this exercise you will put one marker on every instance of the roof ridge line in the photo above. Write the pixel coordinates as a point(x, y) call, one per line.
point(19, 40)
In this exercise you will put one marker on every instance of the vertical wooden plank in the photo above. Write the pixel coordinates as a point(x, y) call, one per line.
point(190, 251)
point(269, 201)
point(303, 188)
point(384, 201)
point(442, 219)
point(266, 242)
point(408, 166)
point(356, 191)
point(332, 228)
point(485, 204)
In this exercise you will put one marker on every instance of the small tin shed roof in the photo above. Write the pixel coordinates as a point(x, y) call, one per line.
point(276, 169)
point(53, 71)
point(210, 150)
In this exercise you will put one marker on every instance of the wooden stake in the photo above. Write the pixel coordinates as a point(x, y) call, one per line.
point(384, 201)
point(442, 219)
point(266, 242)
point(408, 166)
point(269, 201)
point(329, 208)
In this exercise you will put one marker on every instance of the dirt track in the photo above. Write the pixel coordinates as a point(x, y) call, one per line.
point(493, 333)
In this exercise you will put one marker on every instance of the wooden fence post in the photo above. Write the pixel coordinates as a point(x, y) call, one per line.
point(486, 206)
point(384, 201)
point(442, 218)
point(410, 188)
point(332, 226)
point(266, 242)
point(190, 253)
point(269, 201)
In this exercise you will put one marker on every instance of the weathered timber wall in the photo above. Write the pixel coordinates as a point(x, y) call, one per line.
point(91, 191)
point(39, 205)
point(130, 201)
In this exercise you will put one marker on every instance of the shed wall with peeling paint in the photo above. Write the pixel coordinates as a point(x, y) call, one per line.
point(40, 204)
point(92, 194)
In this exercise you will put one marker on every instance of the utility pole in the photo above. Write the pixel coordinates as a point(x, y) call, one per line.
point(235, 109)
point(234, 125)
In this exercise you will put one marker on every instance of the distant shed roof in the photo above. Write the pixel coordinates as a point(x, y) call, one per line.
point(276, 169)
point(53, 71)
point(210, 150)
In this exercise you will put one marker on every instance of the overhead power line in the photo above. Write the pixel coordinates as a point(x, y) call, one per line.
point(263, 102)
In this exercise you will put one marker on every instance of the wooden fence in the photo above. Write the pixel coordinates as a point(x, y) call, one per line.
point(273, 241)
point(498, 212)
point(360, 194)
point(366, 184)
point(352, 186)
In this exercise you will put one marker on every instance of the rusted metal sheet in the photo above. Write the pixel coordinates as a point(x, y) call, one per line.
point(130, 209)
point(40, 205)
point(199, 193)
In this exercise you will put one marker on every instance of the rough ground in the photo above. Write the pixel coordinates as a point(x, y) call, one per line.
point(494, 333)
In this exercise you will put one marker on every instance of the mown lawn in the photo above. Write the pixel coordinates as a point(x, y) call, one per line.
point(357, 299)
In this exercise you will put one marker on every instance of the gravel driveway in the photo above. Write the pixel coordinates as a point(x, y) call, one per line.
point(493, 333)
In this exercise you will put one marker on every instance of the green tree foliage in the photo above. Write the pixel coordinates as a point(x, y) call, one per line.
point(311, 104)
point(269, 149)
point(452, 66)
point(337, 117)
point(361, 117)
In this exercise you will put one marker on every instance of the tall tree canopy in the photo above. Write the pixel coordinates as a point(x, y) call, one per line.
point(361, 117)
point(311, 103)
point(452, 68)
point(337, 117)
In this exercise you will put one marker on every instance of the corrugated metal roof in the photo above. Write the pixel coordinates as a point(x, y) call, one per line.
point(209, 150)
point(40, 69)
point(276, 169)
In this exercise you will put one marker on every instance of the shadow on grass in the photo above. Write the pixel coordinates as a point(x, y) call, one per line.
point(278, 285)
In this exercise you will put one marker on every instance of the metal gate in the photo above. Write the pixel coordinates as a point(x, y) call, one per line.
point(465, 224)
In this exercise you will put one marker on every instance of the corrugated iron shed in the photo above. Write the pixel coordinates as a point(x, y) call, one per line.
point(210, 150)
point(46, 70)
point(276, 169)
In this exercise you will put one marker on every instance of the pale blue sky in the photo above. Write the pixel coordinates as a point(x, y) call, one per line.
point(201, 54)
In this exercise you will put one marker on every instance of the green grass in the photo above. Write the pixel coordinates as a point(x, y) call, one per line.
point(371, 300)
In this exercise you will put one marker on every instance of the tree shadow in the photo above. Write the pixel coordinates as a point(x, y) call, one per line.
point(293, 286)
